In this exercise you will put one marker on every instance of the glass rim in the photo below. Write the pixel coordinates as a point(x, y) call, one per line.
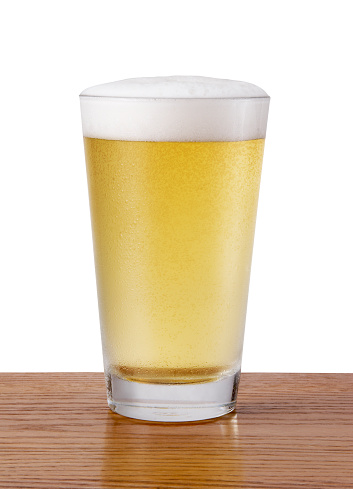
point(262, 97)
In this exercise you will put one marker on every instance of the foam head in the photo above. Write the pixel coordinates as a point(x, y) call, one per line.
point(175, 108)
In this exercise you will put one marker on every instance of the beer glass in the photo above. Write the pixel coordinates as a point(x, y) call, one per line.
point(173, 168)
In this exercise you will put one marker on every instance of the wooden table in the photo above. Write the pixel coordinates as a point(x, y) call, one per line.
point(290, 431)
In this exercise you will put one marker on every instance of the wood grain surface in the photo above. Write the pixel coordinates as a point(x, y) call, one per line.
point(289, 431)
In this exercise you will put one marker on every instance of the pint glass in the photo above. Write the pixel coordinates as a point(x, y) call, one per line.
point(173, 168)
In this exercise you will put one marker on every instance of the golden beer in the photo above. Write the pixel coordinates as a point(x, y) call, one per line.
point(173, 226)
point(173, 166)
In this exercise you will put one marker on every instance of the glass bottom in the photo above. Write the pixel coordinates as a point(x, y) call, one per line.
point(172, 402)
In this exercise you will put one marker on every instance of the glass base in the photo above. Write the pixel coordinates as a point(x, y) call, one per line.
point(172, 402)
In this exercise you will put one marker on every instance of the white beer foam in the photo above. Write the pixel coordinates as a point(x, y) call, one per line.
point(176, 87)
point(175, 108)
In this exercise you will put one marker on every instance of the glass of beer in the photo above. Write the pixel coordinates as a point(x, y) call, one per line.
point(173, 168)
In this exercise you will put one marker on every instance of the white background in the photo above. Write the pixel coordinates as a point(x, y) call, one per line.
point(300, 305)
